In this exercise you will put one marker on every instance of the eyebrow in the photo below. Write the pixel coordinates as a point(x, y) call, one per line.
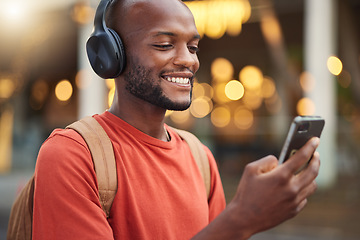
point(196, 36)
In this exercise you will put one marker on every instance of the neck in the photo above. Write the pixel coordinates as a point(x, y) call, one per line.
point(140, 114)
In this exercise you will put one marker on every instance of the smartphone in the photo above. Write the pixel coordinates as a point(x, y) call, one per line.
point(302, 129)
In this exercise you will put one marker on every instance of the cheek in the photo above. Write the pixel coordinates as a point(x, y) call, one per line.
point(197, 65)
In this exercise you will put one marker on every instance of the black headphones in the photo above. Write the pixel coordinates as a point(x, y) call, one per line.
point(104, 47)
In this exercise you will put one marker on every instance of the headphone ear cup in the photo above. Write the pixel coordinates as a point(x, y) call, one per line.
point(120, 50)
point(106, 53)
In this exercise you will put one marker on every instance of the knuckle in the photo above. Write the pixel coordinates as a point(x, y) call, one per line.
point(283, 178)
point(303, 154)
point(250, 168)
point(314, 169)
point(292, 192)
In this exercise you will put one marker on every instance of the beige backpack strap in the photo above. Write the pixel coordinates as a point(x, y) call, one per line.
point(199, 155)
point(103, 157)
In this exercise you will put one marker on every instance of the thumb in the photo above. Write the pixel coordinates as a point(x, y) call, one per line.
point(264, 165)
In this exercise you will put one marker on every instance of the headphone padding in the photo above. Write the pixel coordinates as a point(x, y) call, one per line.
point(120, 50)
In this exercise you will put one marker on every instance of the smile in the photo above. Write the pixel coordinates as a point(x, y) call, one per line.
point(179, 80)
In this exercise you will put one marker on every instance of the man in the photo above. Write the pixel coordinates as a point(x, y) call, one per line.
point(160, 191)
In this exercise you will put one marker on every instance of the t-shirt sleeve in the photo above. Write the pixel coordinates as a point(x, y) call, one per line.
point(66, 201)
point(216, 199)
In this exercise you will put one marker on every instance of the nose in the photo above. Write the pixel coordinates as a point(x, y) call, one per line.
point(186, 59)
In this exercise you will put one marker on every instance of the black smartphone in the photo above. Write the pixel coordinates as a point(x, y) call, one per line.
point(302, 129)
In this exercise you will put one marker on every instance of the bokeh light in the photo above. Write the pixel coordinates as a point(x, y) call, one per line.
point(201, 107)
point(7, 88)
point(64, 90)
point(222, 70)
point(220, 117)
point(219, 93)
point(243, 118)
point(180, 117)
point(307, 81)
point(111, 95)
point(334, 65)
point(268, 88)
point(251, 77)
point(305, 106)
point(234, 90)
point(214, 18)
point(252, 99)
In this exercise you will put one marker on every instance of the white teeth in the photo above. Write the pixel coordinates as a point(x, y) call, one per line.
point(179, 80)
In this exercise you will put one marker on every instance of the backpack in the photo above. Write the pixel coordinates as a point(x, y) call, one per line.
point(100, 146)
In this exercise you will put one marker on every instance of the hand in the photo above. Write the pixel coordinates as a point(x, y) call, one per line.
point(269, 194)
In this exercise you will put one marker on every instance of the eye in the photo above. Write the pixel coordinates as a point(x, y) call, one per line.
point(163, 47)
point(193, 49)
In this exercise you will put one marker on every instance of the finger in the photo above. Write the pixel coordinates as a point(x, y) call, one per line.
point(307, 191)
point(302, 156)
point(263, 165)
point(301, 205)
point(309, 174)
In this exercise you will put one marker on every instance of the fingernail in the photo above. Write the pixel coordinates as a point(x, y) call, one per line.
point(315, 141)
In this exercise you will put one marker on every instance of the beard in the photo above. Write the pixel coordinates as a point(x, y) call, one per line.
point(141, 83)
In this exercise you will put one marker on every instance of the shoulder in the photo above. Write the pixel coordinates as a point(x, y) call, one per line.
point(64, 149)
point(64, 136)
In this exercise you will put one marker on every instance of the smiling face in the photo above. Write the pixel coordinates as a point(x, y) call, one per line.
point(161, 42)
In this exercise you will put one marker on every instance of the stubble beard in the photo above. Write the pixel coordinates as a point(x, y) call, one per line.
point(141, 84)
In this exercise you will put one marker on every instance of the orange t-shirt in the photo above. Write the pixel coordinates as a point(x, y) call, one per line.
point(161, 194)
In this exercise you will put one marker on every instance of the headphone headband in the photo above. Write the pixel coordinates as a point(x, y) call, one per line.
point(99, 20)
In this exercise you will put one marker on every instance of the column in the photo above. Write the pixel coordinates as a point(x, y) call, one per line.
point(320, 43)
point(92, 89)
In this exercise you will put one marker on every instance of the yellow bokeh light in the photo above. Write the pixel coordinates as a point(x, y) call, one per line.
point(251, 77)
point(214, 18)
point(222, 69)
point(271, 29)
point(64, 90)
point(215, 29)
point(252, 99)
point(247, 10)
point(180, 117)
point(307, 82)
point(234, 90)
point(234, 17)
point(82, 13)
point(201, 107)
point(198, 90)
point(243, 118)
point(111, 95)
point(209, 91)
point(7, 88)
point(110, 83)
point(305, 106)
point(219, 93)
point(334, 65)
point(268, 88)
point(220, 117)
point(202, 89)
point(216, 21)
point(200, 15)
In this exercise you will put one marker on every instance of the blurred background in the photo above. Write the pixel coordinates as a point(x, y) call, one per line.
point(262, 63)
